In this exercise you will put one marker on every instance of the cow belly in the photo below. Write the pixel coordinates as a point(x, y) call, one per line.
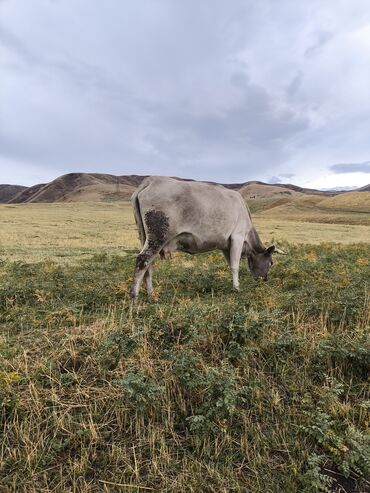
point(189, 243)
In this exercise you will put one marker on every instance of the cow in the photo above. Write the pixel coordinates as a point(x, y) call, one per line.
point(195, 217)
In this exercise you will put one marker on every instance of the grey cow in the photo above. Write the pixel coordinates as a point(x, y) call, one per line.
point(195, 217)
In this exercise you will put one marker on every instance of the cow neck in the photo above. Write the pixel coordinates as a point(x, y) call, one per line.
point(254, 241)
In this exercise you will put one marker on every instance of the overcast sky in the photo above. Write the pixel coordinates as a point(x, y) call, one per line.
point(226, 90)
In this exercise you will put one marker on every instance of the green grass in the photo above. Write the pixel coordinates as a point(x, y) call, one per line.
point(198, 390)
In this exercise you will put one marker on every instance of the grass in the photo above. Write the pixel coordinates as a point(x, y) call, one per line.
point(68, 232)
point(346, 209)
point(197, 390)
point(352, 201)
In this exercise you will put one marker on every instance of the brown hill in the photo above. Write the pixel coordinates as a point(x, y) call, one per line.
point(345, 208)
point(286, 189)
point(98, 187)
point(7, 192)
point(26, 194)
point(81, 187)
point(350, 201)
point(255, 189)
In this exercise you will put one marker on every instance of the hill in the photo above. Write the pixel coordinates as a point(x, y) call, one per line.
point(7, 192)
point(26, 194)
point(80, 187)
point(256, 189)
point(346, 208)
point(98, 187)
point(350, 201)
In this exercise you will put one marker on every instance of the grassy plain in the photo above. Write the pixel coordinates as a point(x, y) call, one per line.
point(66, 231)
point(350, 208)
point(196, 390)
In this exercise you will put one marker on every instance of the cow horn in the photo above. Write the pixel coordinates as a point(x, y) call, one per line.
point(278, 250)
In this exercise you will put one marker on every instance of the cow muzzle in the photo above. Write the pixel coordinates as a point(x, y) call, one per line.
point(264, 278)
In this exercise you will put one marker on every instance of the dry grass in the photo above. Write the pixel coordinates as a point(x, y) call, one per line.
point(351, 201)
point(296, 231)
point(342, 210)
point(66, 230)
point(196, 390)
point(71, 231)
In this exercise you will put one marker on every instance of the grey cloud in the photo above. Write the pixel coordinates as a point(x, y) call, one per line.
point(280, 178)
point(295, 83)
point(274, 179)
point(249, 133)
point(212, 90)
point(12, 43)
point(77, 72)
point(351, 167)
point(322, 37)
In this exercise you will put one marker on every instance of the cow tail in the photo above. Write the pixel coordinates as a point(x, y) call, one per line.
point(138, 217)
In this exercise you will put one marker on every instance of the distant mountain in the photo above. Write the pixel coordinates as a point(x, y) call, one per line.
point(81, 187)
point(288, 187)
point(26, 194)
point(98, 187)
point(7, 192)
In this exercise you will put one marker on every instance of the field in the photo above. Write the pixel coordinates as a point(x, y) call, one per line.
point(68, 232)
point(199, 389)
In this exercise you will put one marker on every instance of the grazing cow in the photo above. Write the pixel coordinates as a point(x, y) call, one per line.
point(195, 217)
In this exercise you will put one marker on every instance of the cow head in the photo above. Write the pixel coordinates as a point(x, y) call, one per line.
point(260, 263)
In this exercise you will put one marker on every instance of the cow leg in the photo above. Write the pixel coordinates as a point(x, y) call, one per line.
point(235, 254)
point(227, 256)
point(143, 263)
point(148, 279)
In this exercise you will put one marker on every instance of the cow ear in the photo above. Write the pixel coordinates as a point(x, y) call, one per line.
point(270, 250)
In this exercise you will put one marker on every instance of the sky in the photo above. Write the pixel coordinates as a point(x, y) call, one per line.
point(223, 90)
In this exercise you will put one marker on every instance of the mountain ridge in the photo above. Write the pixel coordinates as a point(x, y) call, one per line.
point(7, 192)
point(106, 187)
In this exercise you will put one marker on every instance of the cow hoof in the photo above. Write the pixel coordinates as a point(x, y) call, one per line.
point(236, 289)
point(132, 293)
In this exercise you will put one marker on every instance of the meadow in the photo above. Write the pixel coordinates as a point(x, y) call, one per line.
point(67, 232)
point(198, 389)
